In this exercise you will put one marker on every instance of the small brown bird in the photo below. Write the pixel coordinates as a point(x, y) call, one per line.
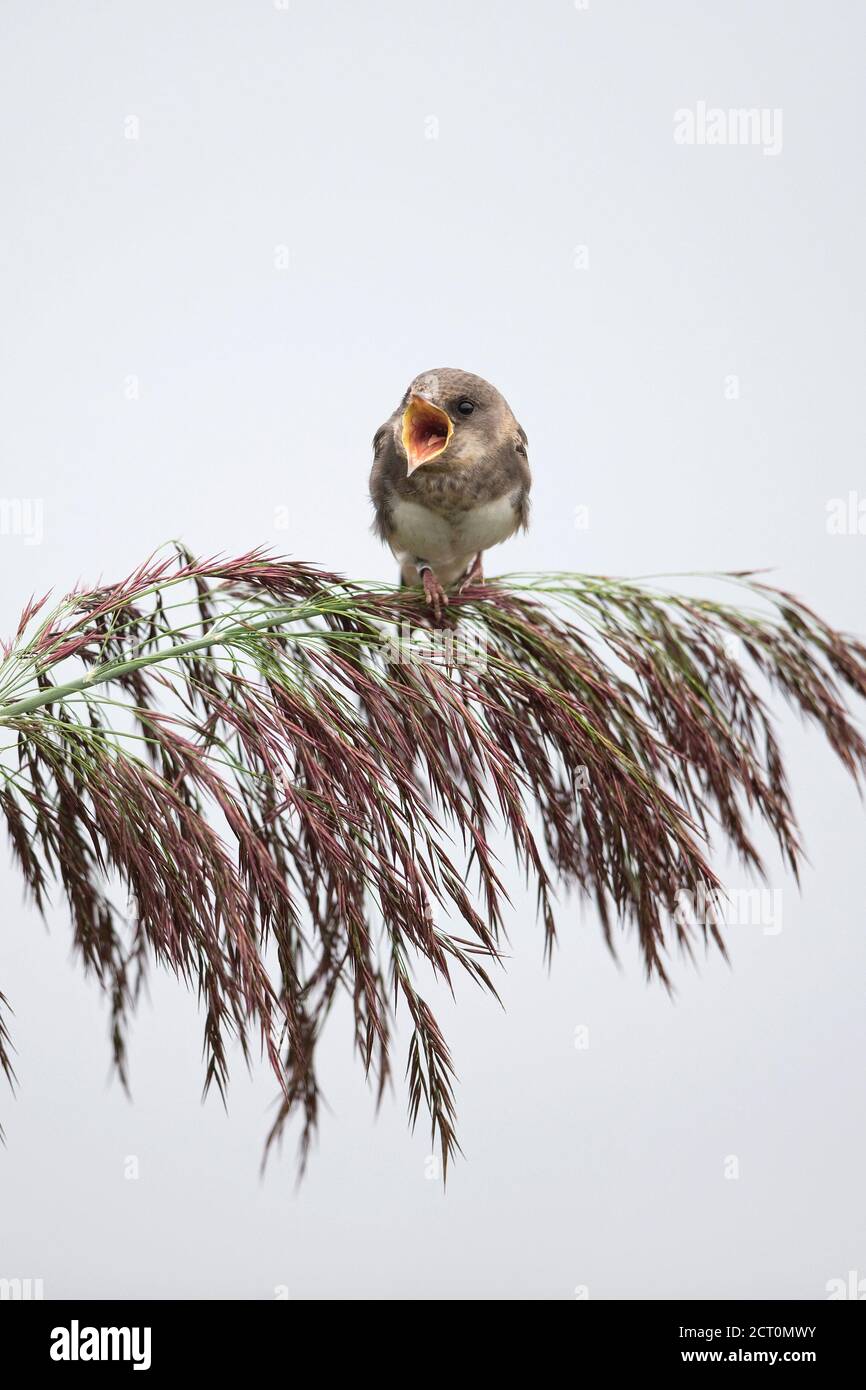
point(450, 478)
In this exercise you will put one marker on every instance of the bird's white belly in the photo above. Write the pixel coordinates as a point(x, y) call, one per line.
point(419, 533)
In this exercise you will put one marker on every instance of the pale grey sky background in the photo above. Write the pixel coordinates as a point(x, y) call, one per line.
point(162, 376)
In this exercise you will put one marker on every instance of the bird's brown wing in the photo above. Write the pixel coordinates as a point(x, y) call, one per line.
point(521, 454)
point(386, 469)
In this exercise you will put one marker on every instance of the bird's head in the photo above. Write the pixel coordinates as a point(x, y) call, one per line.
point(448, 418)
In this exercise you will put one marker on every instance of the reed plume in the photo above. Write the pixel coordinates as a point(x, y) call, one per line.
point(282, 785)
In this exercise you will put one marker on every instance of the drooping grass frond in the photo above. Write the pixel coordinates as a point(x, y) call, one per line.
point(295, 784)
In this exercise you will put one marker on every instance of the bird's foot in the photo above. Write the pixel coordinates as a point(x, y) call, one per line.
point(474, 574)
point(437, 599)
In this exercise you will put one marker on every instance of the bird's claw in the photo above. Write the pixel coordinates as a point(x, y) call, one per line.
point(437, 599)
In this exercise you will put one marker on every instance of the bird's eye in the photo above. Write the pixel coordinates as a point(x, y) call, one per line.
point(466, 407)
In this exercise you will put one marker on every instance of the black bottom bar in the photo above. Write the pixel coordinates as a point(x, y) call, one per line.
point(161, 1338)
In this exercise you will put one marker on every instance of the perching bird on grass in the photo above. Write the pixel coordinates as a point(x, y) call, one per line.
point(450, 479)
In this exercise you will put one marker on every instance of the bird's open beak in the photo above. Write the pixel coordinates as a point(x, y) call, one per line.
point(426, 432)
